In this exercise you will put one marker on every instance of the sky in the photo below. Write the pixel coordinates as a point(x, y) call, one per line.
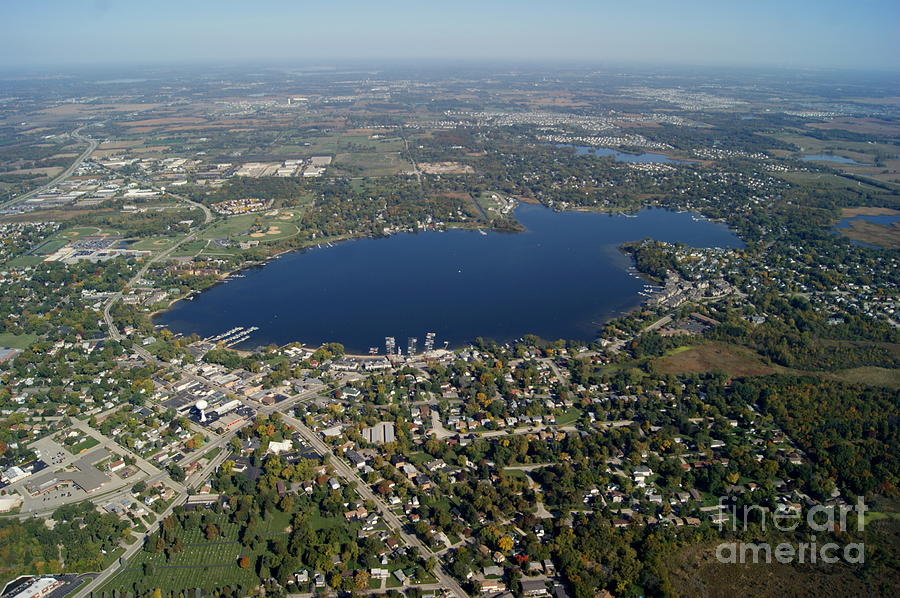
point(858, 34)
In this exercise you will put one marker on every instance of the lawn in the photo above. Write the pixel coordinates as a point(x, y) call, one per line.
point(153, 244)
point(88, 443)
point(570, 416)
point(17, 341)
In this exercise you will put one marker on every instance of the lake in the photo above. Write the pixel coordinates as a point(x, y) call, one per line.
point(561, 278)
point(830, 158)
point(622, 156)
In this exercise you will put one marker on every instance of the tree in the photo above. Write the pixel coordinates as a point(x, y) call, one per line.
point(212, 531)
point(361, 580)
point(244, 562)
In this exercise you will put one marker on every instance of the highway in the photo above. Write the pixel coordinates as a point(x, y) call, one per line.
point(92, 145)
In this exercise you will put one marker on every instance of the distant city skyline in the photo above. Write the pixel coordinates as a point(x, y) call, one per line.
point(794, 34)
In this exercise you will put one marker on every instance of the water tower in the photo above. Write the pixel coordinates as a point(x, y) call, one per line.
point(201, 406)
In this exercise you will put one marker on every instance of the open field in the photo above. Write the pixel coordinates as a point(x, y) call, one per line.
point(372, 163)
point(713, 357)
point(828, 179)
point(153, 244)
point(17, 341)
point(335, 144)
point(871, 375)
point(866, 126)
point(867, 211)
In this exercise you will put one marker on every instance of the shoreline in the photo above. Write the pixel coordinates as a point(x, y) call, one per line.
point(643, 301)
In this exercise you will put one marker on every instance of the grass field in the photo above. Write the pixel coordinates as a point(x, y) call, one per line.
point(372, 163)
point(275, 225)
point(334, 144)
point(17, 341)
point(827, 179)
point(873, 376)
point(153, 244)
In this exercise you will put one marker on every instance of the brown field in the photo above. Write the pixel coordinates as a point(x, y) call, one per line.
point(445, 168)
point(55, 215)
point(75, 110)
point(694, 571)
point(455, 195)
point(867, 211)
point(161, 122)
point(101, 154)
point(48, 171)
point(353, 132)
point(109, 145)
point(714, 357)
point(150, 149)
point(874, 234)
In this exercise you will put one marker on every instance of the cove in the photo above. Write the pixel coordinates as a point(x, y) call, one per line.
point(561, 278)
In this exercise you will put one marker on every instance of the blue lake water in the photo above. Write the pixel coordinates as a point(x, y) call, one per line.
point(623, 156)
point(830, 158)
point(560, 279)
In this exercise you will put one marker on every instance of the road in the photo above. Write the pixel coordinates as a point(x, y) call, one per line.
point(92, 145)
point(344, 471)
point(111, 327)
point(129, 552)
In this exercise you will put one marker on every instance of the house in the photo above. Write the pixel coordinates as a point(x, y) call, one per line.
point(492, 586)
point(534, 587)
point(354, 458)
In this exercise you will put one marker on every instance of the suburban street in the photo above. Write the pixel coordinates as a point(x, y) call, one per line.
point(349, 475)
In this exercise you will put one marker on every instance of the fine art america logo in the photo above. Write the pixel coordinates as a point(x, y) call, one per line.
point(819, 519)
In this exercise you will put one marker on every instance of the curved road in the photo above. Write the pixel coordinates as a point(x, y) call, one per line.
point(92, 145)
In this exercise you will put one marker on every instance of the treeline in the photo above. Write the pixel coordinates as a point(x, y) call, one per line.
point(77, 541)
point(851, 432)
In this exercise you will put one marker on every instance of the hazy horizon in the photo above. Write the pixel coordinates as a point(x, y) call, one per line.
point(803, 34)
